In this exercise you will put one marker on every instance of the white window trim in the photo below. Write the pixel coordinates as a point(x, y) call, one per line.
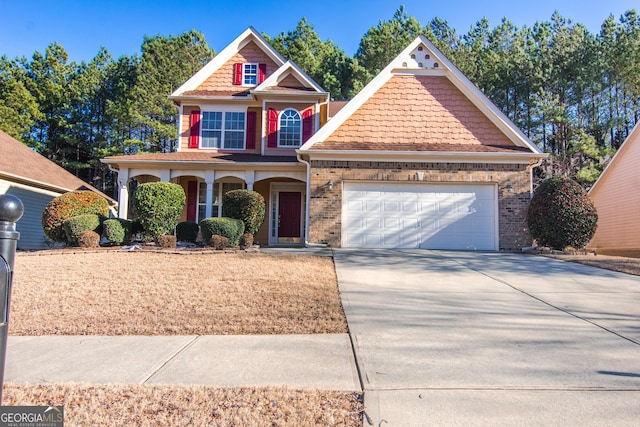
point(280, 130)
point(219, 185)
point(244, 69)
point(224, 112)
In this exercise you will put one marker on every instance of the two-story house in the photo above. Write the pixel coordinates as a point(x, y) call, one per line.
point(242, 118)
point(420, 158)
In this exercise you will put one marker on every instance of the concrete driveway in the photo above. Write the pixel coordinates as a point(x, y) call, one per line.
point(458, 338)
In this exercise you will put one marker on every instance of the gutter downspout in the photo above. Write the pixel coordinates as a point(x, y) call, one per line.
point(533, 165)
point(308, 244)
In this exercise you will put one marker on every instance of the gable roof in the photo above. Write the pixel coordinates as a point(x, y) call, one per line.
point(280, 81)
point(250, 44)
point(627, 147)
point(21, 164)
point(421, 82)
point(248, 36)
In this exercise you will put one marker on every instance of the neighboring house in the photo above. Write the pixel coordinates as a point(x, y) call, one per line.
point(35, 180)
point(616, 195)
point(420, 158)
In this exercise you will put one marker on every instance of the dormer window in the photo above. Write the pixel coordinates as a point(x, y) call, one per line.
point(249, 73)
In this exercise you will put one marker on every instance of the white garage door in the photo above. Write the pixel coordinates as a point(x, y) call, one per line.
point(428, 216)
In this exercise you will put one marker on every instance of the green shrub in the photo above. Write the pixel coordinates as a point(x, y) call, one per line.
point(166, 241)
point(158, 205)
point(230, 228)
point(117, 231)
point(561, 214)
point(88, 239)
point(245, 205)
point(187, 231)
point(77, 224)
point(219, 242)
point(246, 240)
point(68, 205)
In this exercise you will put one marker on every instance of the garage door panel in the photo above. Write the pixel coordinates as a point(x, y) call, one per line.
point(434, 216)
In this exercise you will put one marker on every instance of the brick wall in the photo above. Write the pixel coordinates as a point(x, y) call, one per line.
point(325, 208)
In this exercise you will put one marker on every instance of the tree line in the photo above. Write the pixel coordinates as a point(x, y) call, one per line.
point(576, 94)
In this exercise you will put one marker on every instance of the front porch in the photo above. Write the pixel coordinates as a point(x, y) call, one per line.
point(283, 189)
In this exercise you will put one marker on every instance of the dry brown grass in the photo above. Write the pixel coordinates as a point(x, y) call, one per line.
point(141, 405)
point(144, 293)
point(621, 264)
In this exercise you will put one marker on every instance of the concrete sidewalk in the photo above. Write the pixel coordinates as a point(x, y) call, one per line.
point(323, 362)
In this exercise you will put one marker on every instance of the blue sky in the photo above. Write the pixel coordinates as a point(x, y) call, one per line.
point(82, 26)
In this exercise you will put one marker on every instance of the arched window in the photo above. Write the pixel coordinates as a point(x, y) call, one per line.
point(290, 129)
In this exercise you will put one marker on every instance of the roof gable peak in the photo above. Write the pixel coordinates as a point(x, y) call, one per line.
point(405, 63)
point(289, 68)
point(249, 35)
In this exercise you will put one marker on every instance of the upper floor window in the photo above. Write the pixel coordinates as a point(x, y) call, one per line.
point(223, 129)
point(290, 129)
point(249, 73)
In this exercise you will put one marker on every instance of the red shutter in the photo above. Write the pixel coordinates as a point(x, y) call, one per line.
point(251, 130)
point(194, 129)
point(262, 73)
point(272, 138)
point(237, 74)
point(307, 124)
point(192, 200)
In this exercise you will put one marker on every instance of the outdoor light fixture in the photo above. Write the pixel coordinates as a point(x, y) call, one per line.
point(330, 185)
point(510, 187)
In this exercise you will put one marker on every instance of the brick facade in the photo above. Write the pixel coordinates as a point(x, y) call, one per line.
point(513, 180)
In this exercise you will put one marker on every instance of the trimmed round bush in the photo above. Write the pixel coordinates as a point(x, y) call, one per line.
point(68, 205)
point(77, 224)
point(245, 205)
point(561, 214)
point(158, 205)
point(219, 242)
point(187, 231)
point(88, 239)
point(230, 228)
point(166, 241)
point(246, 240)
point(117, 231)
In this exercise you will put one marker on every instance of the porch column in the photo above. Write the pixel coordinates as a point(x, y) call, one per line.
point(123, 193)
point(165, 175)
point(209, 178)
point(249, 178)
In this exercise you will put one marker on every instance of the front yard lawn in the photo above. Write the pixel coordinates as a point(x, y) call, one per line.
point(146, 293)
point(172, 405)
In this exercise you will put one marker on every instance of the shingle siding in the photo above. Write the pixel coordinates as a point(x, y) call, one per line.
point(416, 110)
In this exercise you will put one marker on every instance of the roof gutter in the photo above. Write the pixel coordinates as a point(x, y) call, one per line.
point(430, 156)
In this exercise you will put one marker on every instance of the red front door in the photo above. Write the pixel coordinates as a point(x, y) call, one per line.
point(192, 200)
point(289, 211)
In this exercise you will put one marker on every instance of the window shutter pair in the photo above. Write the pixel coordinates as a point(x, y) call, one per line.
point(237, 73)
